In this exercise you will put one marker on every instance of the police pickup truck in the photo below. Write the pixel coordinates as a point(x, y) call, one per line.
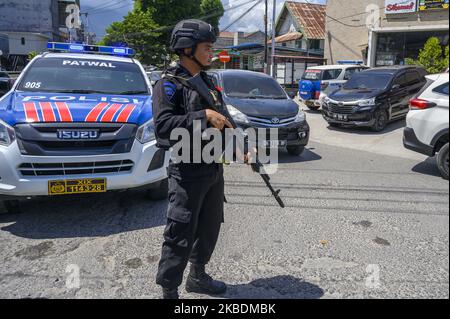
point(79, 120)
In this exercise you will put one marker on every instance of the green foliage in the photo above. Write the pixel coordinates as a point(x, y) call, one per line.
point(138, 31)
point(212, 11)
point(32, 55)
point(432, 57)
point(148, 27)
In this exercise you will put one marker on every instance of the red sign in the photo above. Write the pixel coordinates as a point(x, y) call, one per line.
point(224, 57)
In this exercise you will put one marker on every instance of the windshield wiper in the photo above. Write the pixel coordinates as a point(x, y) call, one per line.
point(132, 92)
point(84, 92)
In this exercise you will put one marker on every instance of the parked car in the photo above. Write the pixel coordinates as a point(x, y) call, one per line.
point(154, 77)
point(428, 121)
point(374, 97)
point(256, 100)
point(319, 81)
point(5, 83)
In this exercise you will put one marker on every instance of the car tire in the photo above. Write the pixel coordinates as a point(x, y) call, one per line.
point(159, 191)
point(295, 150)
point(381, 121)
point(12, 206)
point(442, 161)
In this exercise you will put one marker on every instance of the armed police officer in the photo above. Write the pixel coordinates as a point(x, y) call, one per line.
point(196, 190)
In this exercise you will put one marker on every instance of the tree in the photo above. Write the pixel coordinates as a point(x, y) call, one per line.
point(139, 31)
point(212, 11)
point(32, 55)
point(432, 57)
point(167, 13)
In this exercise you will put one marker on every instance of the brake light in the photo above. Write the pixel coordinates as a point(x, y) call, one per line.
point(420, 104)
point(317, 95)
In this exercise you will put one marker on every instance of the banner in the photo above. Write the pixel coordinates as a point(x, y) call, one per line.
point(400, 6)
point(433, 4)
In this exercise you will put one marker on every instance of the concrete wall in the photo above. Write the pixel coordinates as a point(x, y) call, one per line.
point(40, 16)
point(343, 42)
point(32, 42)
point(286, 26)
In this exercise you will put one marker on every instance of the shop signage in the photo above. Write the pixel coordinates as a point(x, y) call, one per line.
point(433, 4)
point(400, 6)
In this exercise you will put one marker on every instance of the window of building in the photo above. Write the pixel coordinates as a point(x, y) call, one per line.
point(314, 44)
point(22, 40)
point(394, 48)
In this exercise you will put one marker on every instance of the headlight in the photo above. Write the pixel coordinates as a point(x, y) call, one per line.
point(7, 135)
point(368, 102)
point(237, 115)
point(146, 132)
point(301, 116)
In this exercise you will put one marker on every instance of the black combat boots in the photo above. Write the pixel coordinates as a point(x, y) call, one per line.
point(200, 282)
point(170, 293)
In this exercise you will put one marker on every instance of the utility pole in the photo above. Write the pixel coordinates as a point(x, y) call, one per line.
point(266, 47)
point(274, 17)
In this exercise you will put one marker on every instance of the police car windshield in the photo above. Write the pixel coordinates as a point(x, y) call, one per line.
point(248, 86)
point(84, 76)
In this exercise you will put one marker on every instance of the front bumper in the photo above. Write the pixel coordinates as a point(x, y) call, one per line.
point(13, 183)
point(312, 103)
point(411, 142)
point(356, 118)
point(294, 134)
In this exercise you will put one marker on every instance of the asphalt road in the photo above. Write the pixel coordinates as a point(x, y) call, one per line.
point(358, 224)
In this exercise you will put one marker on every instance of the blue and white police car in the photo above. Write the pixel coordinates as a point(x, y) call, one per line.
point(79, 120)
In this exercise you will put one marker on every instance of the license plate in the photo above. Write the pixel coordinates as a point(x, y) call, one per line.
point(77, 186)
point(340, 117)
point(304, 92)
point(274, 144)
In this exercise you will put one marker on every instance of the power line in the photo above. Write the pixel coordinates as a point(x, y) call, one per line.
point(241, 16)
point(165, 28)
point(107, 7)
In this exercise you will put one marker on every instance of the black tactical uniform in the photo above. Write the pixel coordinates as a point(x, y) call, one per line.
point(196, 190)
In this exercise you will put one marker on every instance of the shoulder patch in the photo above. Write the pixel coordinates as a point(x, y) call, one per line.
point(170, 90)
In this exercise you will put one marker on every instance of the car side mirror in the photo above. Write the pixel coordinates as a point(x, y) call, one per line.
point(395, 87)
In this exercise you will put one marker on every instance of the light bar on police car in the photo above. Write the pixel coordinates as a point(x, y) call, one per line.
point(83, 48)
point(356, 62)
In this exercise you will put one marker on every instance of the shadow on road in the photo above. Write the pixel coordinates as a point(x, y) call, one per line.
point(307, 156)
point(427, 167)
point(281, 287)
point(393, 126)
point(85, 216)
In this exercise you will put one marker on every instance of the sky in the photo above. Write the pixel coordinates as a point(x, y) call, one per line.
point(103, 12)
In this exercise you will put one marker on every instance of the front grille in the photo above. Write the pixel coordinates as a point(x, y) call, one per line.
point(41, 139)
point(82, 168)
point(341, 109)
point(270, 123)
point(283, 134)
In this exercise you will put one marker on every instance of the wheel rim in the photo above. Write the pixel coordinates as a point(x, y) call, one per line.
point(446, 161)
point(381, 121)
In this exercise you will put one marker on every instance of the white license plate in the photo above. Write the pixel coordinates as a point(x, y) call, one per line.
point(304, 93)
point(274, 144)
point(340, 117)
